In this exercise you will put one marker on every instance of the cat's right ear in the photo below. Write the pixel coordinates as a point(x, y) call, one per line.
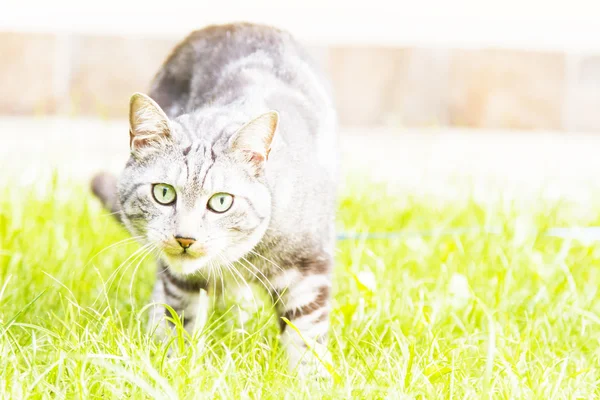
point(148, 124)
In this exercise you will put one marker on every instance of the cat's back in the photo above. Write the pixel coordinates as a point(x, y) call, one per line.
point(196, 72)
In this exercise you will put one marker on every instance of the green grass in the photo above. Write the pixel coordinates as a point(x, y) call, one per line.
point(508, 315)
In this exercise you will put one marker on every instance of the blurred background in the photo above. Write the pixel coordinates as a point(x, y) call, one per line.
point(442, 97)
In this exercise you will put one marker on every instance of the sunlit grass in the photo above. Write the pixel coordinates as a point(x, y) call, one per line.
point(509, 313)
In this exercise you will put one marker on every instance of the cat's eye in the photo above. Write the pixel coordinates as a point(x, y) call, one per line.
point(163, 193)
point(220, 202)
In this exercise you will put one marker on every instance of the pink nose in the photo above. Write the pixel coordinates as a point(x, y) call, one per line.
point(185, 242)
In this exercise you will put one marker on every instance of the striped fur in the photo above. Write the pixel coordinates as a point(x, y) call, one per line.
point(302, 297)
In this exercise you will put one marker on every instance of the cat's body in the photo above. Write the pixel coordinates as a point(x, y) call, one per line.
point(277, 174)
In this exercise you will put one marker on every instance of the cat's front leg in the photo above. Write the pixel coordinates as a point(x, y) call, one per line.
point(303, 298)
point(182, 295)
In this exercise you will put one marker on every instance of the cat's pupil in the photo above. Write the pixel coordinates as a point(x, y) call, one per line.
point(164, 192)
point(222, 200)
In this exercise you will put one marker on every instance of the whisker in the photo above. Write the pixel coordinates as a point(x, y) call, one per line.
point(133, 255)
point(109, 282)
point(266, 259)
point(212, 271)
point(272, 290)
point(222, 285)
point(214, 280)
point(228, 268)
point(252, 274)
point(235, 271)
point(119, 243)
point(259, 271)
point(141, 256)
point(150, 252)
point(109, 214)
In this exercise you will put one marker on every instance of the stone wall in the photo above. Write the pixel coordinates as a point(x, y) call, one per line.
point(75, 74)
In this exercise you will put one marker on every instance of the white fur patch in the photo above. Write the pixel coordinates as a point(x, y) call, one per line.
point(286, 278)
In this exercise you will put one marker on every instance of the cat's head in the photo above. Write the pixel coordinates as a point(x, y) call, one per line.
point(199, 203)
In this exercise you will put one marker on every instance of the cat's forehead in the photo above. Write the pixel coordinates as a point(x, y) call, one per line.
point(211, 124)
point(209, 165)
point(203, 170)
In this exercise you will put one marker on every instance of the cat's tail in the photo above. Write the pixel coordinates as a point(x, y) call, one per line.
point(104, 187)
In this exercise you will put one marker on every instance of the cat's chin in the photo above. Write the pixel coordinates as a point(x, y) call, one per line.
point(184, 264)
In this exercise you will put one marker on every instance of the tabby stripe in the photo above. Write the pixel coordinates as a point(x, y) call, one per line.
point(187, 319)
point(208, 166)
point(304, 291)
point(130, 192)
point(319, 302)
point(261, 217)
point(183, 284)
point(170, 292)
point(323, 317)
point(316, 265)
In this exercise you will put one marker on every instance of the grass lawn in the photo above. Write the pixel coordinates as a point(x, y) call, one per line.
point(509, 314)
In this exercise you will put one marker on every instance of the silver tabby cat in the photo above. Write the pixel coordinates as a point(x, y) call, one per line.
point(233, 172)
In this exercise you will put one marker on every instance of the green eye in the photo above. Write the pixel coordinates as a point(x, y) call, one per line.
point(220, 202)
point(163, 193)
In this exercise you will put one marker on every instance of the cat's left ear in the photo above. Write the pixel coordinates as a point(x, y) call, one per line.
point(252, 142)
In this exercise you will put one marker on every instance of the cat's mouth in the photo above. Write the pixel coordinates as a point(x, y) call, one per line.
point(184, 253)
point(176, 251)
point(185, 262)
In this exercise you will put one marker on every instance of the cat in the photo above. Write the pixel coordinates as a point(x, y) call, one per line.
point(233, 170)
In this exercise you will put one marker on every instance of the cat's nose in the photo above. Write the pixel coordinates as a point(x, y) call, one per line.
point(185, 242)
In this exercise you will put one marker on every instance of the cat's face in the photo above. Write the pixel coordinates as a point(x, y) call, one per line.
point(198, 207)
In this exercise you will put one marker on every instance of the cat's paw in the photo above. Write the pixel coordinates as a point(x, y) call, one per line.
point(313, 361)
